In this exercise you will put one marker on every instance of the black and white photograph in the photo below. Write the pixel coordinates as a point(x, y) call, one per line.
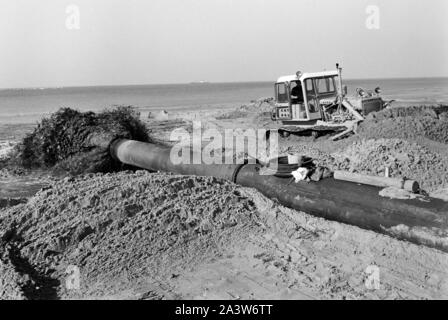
point(237, 152)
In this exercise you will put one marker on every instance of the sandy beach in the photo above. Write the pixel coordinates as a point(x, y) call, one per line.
point(142, 235)
point(229, 157)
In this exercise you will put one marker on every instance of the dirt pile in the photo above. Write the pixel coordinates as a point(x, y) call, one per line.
point(121, 227)
point(405, 159)
point(78, 141)
point(410, 141)
point(12, 284)
point(407, 123)
point(259, 107)
point(372, 156)
point(152, 236)
point(203, 237)
point(435, 112)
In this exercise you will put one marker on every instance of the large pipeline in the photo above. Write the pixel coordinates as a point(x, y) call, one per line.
point(422, 220)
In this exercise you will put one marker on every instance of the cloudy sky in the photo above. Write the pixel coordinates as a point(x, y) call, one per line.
point(111, 42)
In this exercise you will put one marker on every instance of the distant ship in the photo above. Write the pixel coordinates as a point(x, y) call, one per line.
point(200, 82)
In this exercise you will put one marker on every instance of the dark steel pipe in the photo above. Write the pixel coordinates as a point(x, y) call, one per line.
point(421, 222)
point(157, 158)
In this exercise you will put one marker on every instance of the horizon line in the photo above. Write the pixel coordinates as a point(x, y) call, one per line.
point(197, 83)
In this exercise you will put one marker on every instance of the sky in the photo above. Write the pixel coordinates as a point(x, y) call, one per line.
point(54, 43)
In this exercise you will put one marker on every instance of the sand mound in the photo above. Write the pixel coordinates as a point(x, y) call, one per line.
point(78, 141)
point(435, 112)
point(125, 229)
point(372, 156)
point(11, 282)
point(124, 226)
point(257, 107)
point(151, 236)
point(411, 141)
point(405, 159)
point(407, 123)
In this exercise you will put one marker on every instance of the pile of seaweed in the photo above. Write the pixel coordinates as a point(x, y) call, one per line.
point(78, 142)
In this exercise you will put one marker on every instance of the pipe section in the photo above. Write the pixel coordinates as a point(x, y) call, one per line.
point(421, 221)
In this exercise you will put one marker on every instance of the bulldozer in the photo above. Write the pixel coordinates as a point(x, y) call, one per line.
point(317, 104)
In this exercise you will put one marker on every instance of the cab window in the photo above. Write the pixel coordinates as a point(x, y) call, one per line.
point(325, 85)
point(309, 86)
point(331, 85)
point(282, 96)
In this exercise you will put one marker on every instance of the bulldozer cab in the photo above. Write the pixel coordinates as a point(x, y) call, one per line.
point(317, 103)
point(299, 97)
